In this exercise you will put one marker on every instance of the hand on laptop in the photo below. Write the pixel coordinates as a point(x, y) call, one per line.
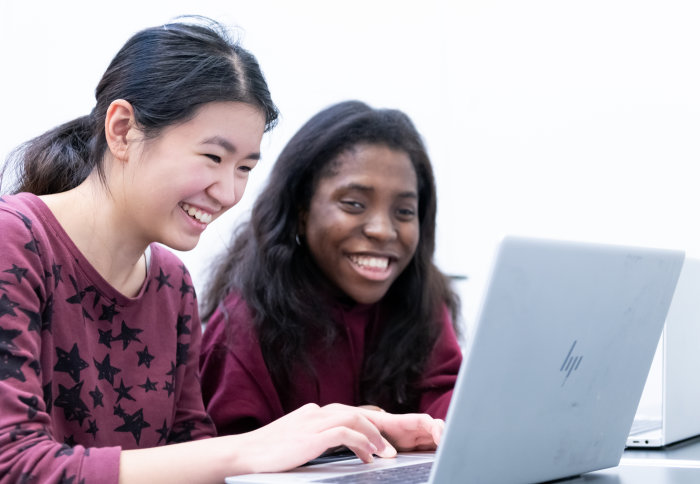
point(307, 432)
point(411, 431)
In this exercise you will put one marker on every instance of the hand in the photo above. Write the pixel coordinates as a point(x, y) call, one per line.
point(307, 432)
point(411, 431)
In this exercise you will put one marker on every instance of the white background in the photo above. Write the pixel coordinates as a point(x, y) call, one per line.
point(551, 118)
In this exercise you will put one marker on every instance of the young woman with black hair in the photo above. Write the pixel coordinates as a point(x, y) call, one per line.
point(99, 326)
point(329, 293)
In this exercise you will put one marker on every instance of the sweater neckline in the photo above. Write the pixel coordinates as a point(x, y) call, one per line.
point(83, 264)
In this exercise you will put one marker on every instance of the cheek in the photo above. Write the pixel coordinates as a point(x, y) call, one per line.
point(240, 185)
point(411, 238)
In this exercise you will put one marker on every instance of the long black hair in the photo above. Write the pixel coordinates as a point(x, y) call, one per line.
point(281, 283)
point(166, 73)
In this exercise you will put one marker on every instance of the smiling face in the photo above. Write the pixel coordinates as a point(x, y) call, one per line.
point(192, 173)
point(362, 226)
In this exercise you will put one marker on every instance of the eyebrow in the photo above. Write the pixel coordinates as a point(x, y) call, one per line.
point(366, 188)
point(228, 146)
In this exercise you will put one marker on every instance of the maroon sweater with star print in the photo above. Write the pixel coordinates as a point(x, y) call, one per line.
point(85, 371)
point(239, 392)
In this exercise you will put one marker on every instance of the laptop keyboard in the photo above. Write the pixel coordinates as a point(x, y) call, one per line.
point(408, 474)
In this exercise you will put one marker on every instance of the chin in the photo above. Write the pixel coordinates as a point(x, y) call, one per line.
point(181, 245)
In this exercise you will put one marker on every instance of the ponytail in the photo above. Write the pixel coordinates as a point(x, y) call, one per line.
point(55, 161)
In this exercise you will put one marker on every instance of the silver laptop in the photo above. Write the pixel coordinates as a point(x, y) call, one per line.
point(553, 374)
point(669, 408)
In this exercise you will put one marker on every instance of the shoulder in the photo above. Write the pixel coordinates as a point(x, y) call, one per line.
point(19, 210)
point(23, 226)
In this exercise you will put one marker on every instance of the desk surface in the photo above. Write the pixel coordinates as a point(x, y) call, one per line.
point(675, 464)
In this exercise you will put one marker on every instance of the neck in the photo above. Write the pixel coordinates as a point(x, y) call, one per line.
point(90, 216)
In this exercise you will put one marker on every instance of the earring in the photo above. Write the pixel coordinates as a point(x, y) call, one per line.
point(297, 239)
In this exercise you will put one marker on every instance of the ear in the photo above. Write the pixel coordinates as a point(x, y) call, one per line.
point(118, 122)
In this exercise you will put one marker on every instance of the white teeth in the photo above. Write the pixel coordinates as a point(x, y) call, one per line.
point(370, 262)
point(198, 214)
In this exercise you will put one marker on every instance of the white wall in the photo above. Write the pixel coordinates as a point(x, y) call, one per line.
point(552, 118)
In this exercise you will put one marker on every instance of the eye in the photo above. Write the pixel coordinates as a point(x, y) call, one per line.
point(352, 205)
point(245, 169)
point(405, 213)
point(214, 158)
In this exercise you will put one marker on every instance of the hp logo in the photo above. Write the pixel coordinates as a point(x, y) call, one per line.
point(571, 363)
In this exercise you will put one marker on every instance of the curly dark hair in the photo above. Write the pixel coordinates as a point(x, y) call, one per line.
point(283, 286)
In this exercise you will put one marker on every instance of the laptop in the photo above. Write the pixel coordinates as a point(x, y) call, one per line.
point(553, 372)
point(668, 411)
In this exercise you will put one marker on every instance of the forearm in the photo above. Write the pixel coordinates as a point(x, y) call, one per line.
point(200, 461)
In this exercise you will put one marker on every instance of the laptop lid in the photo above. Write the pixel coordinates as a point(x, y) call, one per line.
point(558, 361)
point(679, 360)
point(556, 365)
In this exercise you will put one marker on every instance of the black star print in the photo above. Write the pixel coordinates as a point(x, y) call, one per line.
point(18, 272)
point(123, 392)
point(149, 385)
point(163, 432)
point(26, 220)
point(170, 387)
point(7, 306)
point(183, 433)
point(77, 298)
point(184, 269)
point(133, 423)
point(86, 315)
point(163, 280)
point(10, 365)
point(106, 370)
point(48, 397)
point(32, 246)
point(172, 371)
point(47, 315)
point(36, 366)
point(26, 478)
point(70, 440)
point(186, 288)
point(128, 335)
point(34, 320)
point(73, 406)
point(3, 284)
point(108, 313)
point(70, 363)
point(145, 357)
point(32, 404)
point(92, 428)
point(105, 338)
point(119, 411)
point(64, 450)
point(6, 337)
point(56, 269)
point(96, 395)
point(182, 353)
point(182, 320)
point(95, 299)
point(65, 479)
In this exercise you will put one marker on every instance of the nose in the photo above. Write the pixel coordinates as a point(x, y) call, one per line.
point(226, 190)
point(380, 226)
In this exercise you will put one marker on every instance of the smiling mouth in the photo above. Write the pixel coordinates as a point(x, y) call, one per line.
point(196, 214)
point(372, 263)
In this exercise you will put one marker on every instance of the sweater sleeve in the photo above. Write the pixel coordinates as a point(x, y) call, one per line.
point(237, 388)
point(28, 450)
point(441, 374)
